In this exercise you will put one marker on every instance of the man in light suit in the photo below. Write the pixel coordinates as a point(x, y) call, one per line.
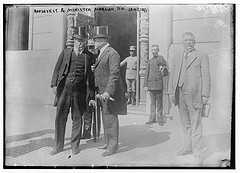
point(69, 83)
point(110, 88)
point(189, 88)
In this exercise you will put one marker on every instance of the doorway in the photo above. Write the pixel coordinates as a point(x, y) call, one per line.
point(122, 27)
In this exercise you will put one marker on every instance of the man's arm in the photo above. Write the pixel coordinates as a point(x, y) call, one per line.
point(56, 70)
point(123, 62)
point(163, 66)
point(206, 78)
point(145, 84)
point(114, 70)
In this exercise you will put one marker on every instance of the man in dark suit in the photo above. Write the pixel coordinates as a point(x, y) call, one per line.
point(189, 88)
point(110, 89)
point(153, 82)
point(69, 86)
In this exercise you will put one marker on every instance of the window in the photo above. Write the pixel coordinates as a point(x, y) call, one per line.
point(17, 28)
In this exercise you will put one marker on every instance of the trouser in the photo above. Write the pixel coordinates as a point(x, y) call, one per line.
point(110, 126)
point(87, 121)
point(191, 123)
point(73, 96)
point(131, 85)
point(156, 97)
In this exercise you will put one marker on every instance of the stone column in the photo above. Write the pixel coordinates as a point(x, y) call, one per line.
point(71, 23)
point(144, 49)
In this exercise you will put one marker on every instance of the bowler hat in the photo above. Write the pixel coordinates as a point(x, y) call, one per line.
point(80, 33)
point(132, 48)
point(101, 32)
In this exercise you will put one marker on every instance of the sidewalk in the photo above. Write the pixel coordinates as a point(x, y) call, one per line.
point(139, 144)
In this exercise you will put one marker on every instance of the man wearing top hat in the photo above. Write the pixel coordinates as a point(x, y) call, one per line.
point(110, 88)
point(69, 83)
point(131, 74)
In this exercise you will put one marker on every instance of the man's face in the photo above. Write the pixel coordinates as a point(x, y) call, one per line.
point(155, 50)
point(79, 44)
point(131, 52)
point(188, 42)
point(98, 42)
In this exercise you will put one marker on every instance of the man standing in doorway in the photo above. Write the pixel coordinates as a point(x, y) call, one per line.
point(131, 75)
point(189, 88)
point(69, 86)
point(110, 88)
point(153, 82)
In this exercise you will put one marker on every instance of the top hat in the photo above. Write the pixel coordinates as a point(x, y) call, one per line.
point(132, 48)
point(101, 32)
point(80, 33)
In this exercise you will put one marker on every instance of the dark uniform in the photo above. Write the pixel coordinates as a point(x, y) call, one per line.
point(154, 81)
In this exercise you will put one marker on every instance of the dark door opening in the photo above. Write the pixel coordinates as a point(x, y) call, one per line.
point(122, 27)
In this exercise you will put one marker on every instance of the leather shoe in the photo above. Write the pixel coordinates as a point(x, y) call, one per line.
point(86, 136)
point(184, 152)
point(198, 160)
point(75, 151)
point(56, 151)
point(102, 147)
point(161, 123)
point(149, 122)
point(108, 153)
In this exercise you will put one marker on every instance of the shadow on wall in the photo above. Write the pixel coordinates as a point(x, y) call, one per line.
point(215, 143)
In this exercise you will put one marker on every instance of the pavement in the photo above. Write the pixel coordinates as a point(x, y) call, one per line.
point(29, 137)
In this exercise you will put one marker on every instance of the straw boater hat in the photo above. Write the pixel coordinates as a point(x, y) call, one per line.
point(80, 33)
point(101, 32)
point(132, 48)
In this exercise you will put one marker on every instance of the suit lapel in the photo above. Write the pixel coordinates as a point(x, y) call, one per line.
point(102, 55)
point(191, 58)
point(68, 56)
point(180, 63)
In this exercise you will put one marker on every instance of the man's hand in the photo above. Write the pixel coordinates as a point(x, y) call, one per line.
point(54, 89)
point(105, 96)
point(171, 97)
point(92, 103)
point(205, 100)
point(145, 88)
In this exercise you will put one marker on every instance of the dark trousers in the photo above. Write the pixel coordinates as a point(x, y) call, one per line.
point(73, 96)
point(156, 97)
point(191, 123)
point(87, 121)
point(110, 126)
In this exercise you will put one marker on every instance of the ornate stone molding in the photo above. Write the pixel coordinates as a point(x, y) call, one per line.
point(144, 40)
point(76, 19)
point(71, 22)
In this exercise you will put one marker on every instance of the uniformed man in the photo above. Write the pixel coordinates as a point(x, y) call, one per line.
point(153, 82)
point(131, 75)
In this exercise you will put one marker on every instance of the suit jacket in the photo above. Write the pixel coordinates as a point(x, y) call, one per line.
point(198, 80)
point(108, 79)
point(61, 71)
point(153, 77)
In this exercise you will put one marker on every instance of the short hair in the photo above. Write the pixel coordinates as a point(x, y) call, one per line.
point(189, 33)
point(155, 45)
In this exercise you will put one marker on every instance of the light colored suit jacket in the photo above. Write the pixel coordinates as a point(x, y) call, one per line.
point(198, 79)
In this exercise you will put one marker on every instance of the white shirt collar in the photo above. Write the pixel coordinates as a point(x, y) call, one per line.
point(77, 51)
point(102, 49)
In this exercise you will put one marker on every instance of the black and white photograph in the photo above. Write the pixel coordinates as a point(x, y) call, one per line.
point(119, 86)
